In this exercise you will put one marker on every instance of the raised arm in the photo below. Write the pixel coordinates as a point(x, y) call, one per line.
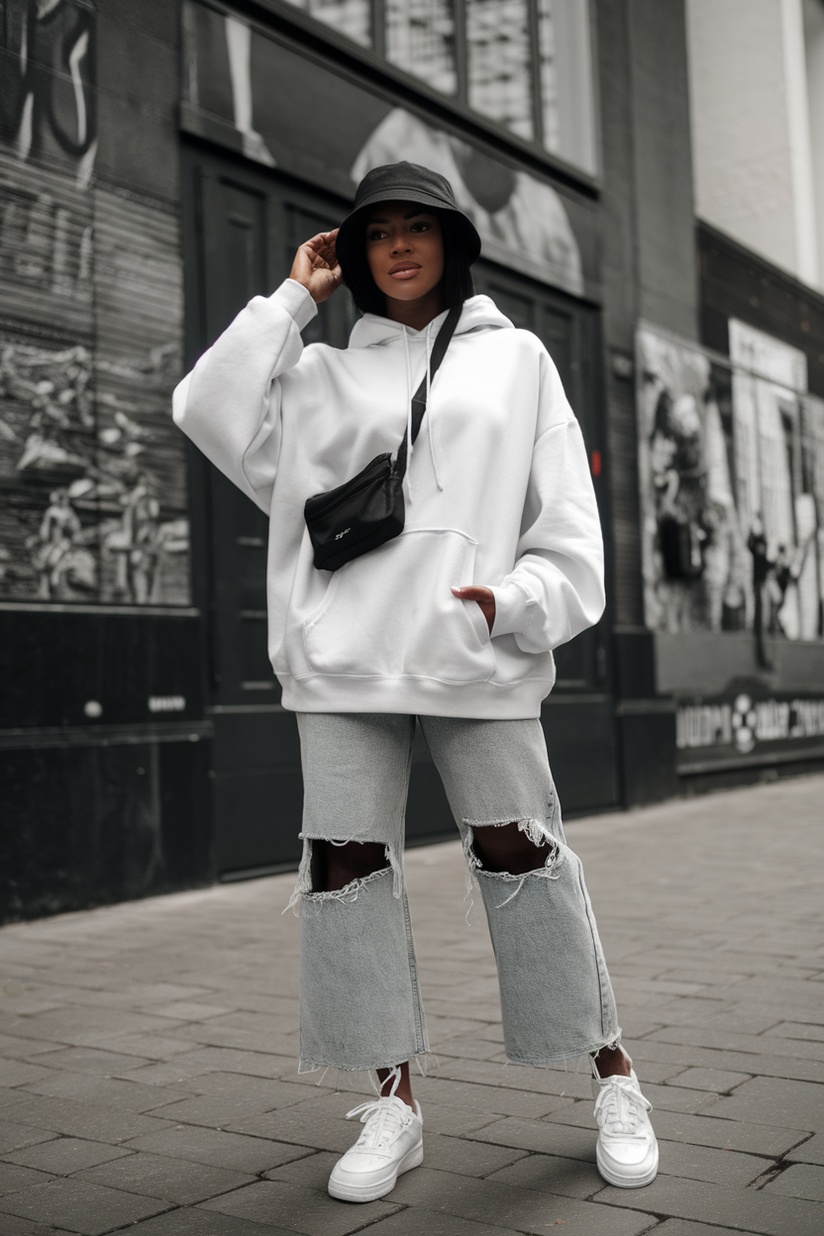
point(229, 405)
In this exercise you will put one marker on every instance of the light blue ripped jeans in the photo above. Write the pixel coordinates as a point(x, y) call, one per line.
point(360, 999)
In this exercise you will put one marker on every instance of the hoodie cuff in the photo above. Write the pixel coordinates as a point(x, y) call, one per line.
point(297, 302)
point(513, 610)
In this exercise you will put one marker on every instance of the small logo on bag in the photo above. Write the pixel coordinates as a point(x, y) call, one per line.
point(338, 535)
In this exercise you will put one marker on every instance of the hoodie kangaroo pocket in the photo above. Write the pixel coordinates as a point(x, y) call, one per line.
point(391, 613)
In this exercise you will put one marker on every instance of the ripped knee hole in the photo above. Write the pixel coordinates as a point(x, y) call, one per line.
point(512, 847)
point(337, 864)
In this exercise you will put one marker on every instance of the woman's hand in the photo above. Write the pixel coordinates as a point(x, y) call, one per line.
point(484, 597)
point(316, 266)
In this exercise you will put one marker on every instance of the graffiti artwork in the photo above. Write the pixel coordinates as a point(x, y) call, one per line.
point(92, 472)
point(731, 462)
point(47, 97)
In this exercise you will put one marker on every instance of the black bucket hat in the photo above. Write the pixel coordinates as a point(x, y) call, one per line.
point(404, 182)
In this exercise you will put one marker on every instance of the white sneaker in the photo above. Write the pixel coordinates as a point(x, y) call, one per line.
point(390, 1144)
point(627, 1150)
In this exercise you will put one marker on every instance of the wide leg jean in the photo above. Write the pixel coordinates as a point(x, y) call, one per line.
point(361, 1004)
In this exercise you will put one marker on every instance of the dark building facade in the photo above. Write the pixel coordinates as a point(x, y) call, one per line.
point(159, 164)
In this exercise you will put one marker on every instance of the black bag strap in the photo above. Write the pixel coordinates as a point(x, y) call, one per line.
point(419, 398)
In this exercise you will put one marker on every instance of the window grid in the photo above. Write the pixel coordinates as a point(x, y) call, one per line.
point(498, 40)
point(497, 58)
point(420, 38)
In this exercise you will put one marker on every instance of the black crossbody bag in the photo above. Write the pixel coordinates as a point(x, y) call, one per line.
point(368, 510)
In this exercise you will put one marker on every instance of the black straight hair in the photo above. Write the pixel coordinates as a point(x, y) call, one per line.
point(456, 283)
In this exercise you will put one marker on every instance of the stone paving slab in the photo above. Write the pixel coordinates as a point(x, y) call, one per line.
point(14, 1178)
point(148, 1052)
point(414, 1222)
point(218, 1148)
point(157, 1176)
point(505, 1205)
point(776, 1101)
point(195, 1223)
point(14, 1135)
point(722, 1206)
point(79, 1206)
point(811, 1151)
point(298, 1209)
point(63, 1156)
point(687, 1227)
point(800, 1180)
point(13, 1225)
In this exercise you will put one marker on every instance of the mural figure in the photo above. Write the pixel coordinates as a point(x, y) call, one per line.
point(64, 565)
point(522, 221)
point(732, 484)
point(761, 573)
point(136, 544)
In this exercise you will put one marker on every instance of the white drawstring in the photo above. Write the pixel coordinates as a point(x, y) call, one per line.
point(409, 447)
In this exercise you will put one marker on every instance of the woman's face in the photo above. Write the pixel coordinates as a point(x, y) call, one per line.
point(404, 249)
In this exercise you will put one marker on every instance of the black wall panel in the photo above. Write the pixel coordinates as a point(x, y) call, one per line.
point(84, 825)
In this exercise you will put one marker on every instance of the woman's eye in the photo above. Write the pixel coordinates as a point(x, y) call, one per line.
point(375, 234)
point(422, 226)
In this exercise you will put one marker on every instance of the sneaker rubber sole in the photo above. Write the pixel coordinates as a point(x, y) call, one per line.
point(621, 1182)
point(350, 1191)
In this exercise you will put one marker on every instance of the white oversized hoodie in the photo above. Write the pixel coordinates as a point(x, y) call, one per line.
point(498, 493)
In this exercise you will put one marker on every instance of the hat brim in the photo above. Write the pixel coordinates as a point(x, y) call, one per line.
point(347, 233)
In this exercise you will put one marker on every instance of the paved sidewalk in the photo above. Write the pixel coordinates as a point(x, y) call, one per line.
point(148, 1052)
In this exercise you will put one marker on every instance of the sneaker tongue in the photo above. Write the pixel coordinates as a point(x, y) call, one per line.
point(621, 1114)
point(383, 1124)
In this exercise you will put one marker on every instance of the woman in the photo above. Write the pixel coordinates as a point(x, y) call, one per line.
point(452, 622)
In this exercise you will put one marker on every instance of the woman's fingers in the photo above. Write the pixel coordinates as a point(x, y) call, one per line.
point(484, 597)
point(316, 266)
point(324, 246)
point(473, 592)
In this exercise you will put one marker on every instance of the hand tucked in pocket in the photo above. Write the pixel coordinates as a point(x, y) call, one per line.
point(483, 596)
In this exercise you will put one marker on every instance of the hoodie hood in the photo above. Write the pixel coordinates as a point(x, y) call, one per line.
point(479, 313)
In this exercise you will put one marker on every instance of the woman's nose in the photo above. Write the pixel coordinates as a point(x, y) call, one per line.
point(401, 244)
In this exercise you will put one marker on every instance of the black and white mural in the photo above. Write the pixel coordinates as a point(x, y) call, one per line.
point(246, 90)
point(731, 461)
point(92, 472)
point(83, 516)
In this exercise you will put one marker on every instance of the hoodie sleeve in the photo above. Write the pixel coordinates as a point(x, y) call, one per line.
point(556, 589)
point(229, 405)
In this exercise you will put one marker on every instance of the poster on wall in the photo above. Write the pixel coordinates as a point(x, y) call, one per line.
point(731, 465)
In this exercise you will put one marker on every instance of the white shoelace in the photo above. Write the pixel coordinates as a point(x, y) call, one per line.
point(620, 1106)
point(384, 1120)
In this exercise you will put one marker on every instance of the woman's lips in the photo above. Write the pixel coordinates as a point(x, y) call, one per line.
point(407, 271)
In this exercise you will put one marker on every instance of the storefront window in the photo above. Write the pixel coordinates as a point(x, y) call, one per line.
point(499, 61)
point(420, 38)
point(349, 17)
